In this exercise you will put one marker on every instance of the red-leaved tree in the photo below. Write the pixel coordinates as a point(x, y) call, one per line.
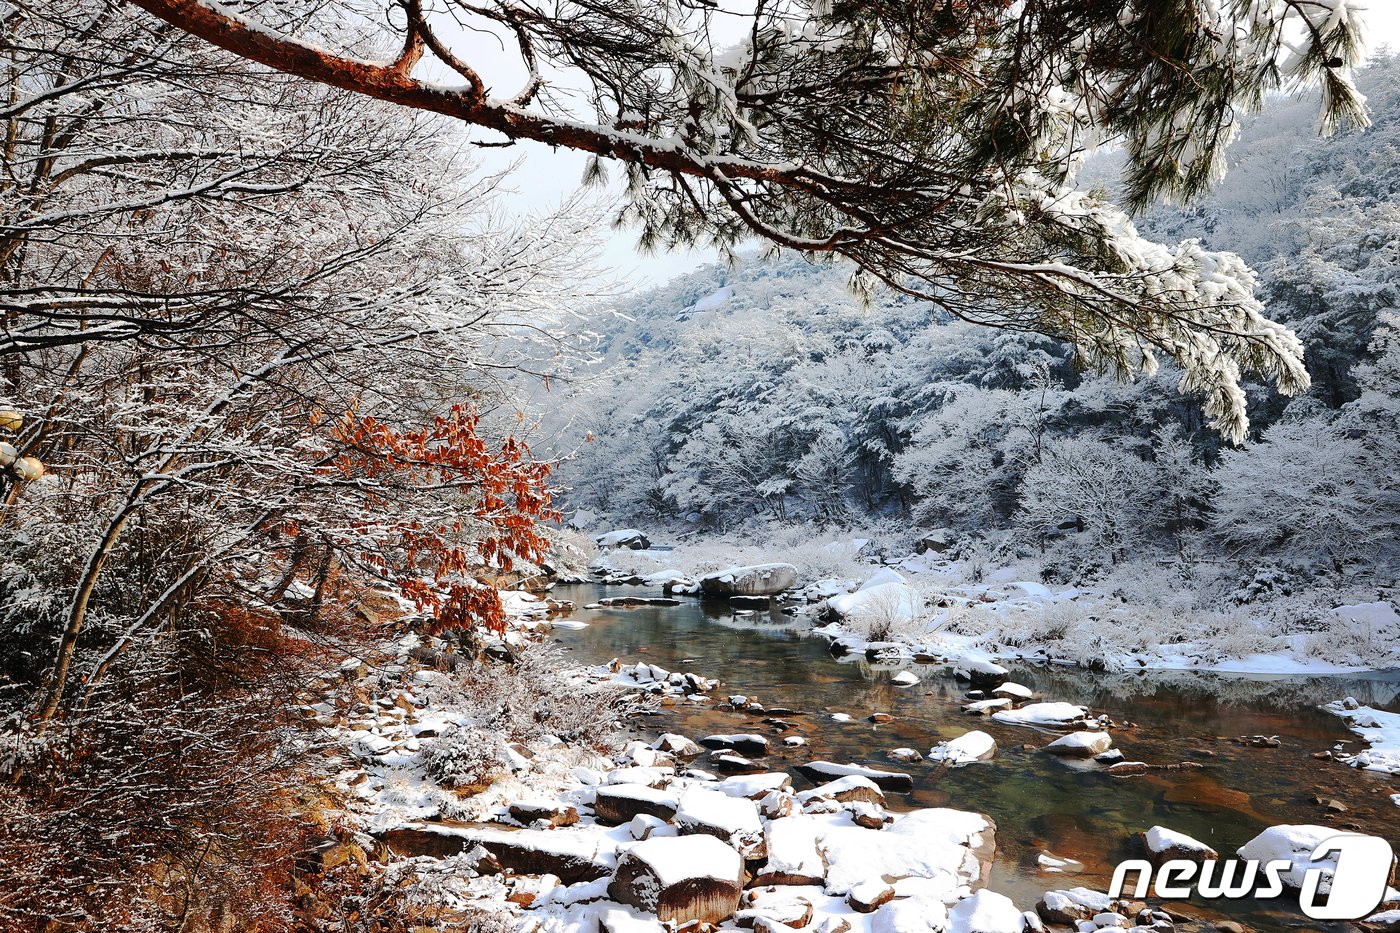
point(485, 514)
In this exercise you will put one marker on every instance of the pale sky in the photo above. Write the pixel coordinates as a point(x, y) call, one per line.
point(545, 176)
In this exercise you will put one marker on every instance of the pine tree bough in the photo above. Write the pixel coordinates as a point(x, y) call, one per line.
point(935, 145)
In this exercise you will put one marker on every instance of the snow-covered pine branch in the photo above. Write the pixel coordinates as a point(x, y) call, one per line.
point(936, 146)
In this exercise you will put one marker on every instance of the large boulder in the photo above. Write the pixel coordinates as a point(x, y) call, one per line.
point(1295, 844)
point(629, 538)
point(757, 580)
point(680, 878)
point(616, 804)
point(950, 850)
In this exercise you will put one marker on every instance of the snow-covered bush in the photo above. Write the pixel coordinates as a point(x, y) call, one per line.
point(888, 615)
point(466, 757)
point(534, 696)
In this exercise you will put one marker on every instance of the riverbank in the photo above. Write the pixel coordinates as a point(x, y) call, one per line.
point(962, 607)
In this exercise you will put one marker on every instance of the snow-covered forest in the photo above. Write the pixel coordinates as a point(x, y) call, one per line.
point(737, 400)
point(1015, 501)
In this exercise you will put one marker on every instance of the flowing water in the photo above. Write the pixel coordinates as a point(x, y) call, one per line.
point(1040, 803)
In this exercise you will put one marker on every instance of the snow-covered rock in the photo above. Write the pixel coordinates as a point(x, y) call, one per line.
point(1080, 745)
point(668, 576)
point(870, 895)
point(1042, 714)
point(1377, 727)
point(982, 707)
point(1295, 843)
point(845, 790)
point(1053, 864)
point(985, 912)
point(1164, 844)
point(656, 776)
point(880, 578)
point(911, 915)
point(896, 602)
point(1072, 905)
point(569, 854)
point(979, 669)
point(743, 743)
point(645, 826)
point(905, 679)
point(793, 855)
point(733, 819)
point(944, 847)
point(677, 745)
point(755, 786)
point(965, 749)
point(616, 804)
point(630, 538)
point(937, 540)
point(1386, 921)
point(755, 580)
point(1014, 690)
point(895, 781)
point(776, 916)
point(530, 811)
point(680, 878)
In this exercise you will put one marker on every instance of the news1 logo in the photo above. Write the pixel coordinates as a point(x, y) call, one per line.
point(1351, 890)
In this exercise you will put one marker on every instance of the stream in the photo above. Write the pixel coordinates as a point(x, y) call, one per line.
point(1042, 804)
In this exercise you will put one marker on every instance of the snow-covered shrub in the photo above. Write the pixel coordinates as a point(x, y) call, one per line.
point(1235, 634)
point(534, 696)
point(1268, 580)
point(570, 551)
point(887, 615)
point(1365, 634)
point(1303, 494)
point(466, 756)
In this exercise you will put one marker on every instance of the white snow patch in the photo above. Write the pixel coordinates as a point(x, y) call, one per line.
point(985, 912)
point(1042, 714)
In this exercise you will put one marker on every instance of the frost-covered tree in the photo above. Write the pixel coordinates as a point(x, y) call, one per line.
point(1091, 484)
point(934, 145)
point(1301, 494)
point(265, 358)
point(1181, 488)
